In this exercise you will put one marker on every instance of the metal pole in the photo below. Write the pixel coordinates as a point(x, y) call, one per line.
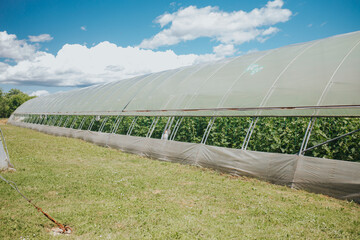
point(153, 128)
point(91, 124)
point(82, 123)
point(103, 124)
point(207, 135)
point(74, 121)
point(114, 124)
point(167, 124)
point(37, 119)
point(7, 152)
point(152, 123)
point(249, 133)
point(206, 130)
point(46, 120)
point(307, 135)
point(66, 121)
point(176, 129)
point(131, 126)
point(331, 140)
point(171, 122)
point(42, 120)
point(117, 124)
point(60, 121)
point(54, 121)
point(252, 130)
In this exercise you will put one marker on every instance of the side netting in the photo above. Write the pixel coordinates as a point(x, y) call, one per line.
point(339, 179)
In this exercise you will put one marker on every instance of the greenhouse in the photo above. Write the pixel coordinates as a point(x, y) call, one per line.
point(292, 101)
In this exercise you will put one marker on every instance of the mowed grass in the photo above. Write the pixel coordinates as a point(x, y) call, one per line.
point(106, 194)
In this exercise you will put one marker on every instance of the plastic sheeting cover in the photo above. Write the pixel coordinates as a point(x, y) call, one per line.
point(318, 78)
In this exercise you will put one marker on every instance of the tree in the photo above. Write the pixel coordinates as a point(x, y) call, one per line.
point(10, 101)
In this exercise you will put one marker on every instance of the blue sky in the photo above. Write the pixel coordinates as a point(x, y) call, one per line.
point(77, 31)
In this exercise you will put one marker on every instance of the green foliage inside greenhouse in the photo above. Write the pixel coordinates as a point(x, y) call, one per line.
point(271, 134)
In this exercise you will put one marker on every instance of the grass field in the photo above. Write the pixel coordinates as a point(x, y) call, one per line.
point(106, 194)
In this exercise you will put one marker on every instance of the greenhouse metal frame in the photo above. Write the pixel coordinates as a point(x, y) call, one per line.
point(314, 79)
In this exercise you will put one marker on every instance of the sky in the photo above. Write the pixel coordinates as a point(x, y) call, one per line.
point(47, 46)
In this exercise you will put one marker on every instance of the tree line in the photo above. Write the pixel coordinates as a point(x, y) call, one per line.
point(10, 101)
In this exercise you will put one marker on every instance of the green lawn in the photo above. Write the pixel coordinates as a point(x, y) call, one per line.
point(106, 194)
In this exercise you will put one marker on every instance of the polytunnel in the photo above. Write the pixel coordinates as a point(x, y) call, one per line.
point(314, 79)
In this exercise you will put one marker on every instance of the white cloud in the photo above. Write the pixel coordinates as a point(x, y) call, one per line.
point(11, 47)
point(39, 93)
point(223, 50)
point(41, 38)
point(323, 24)
point(310, 25)
point(226, 27)
point(79, 65)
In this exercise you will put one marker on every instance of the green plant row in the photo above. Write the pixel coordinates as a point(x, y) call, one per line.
point(271, 134)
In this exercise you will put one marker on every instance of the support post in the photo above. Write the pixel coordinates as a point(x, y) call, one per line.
point(60, 121)
point(103, 124)
point(42, 120)
point(166, 127)
point(131, 126)
point(176, 128)
point(118, 121)
point(114, 124)
point(46, 120)
point(249, 133)
point(66, 121)
point(331, 140)
point(307, 135)
point(91, 124)
point(152, 123)
point(153, 127)
point(207, 130)
point(82, 123)
point(54, 120)
point(37, 119)
point(74, 121)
